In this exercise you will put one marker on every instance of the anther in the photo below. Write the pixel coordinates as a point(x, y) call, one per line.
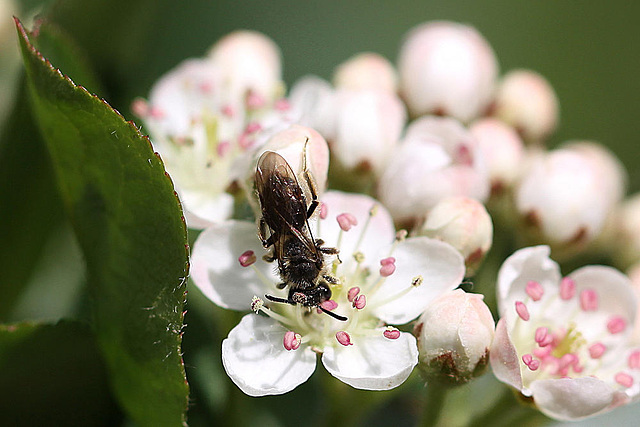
point(291, 340)
point(360, 302)
point(256, 304)
point(223, 148)
point(616, 324)
point(247, 258)
point(374, 210)
point(401, 235)
point(324, 211)
point(353, 293)
point(254, 100)
point(140, 107)
point(541, 335)
point(625, 380)
point(391, 333)
point(343, 338)
point(346, 221)
point(388, 266)
point(329, 305)
point(597, 350)
point(534, 290)
point(417, 281)
point(253, 127)
point(567, 288)
point(634, 359)
point(228, 111)
point(522, 311)
point(589, 300)
point(358, 257)
point(530, 362)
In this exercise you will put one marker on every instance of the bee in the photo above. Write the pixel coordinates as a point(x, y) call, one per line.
point(285, 216)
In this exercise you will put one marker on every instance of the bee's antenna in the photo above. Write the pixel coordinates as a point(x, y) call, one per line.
point(332, 314)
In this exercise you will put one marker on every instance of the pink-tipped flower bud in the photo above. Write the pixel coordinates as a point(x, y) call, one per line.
point(566, 196)
point(454, 336)
point(448, 69)
point(526, 101)
point(250, 64)
point(369, 126)
point(438, 158)
point(465, 224)
point(366, 71)
point(502, 150)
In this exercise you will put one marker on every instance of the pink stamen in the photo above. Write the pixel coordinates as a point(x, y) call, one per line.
point(543, 352)
point(616, 324)
point(360, 302)
point(541, 334)
point(223, 148)
point(254, 100)
point(597, 350)
point(206, 87)
point(253, 127)
point(228, 111)
point(247, 258)
point(343, 338)
point(625, 380)
point(464, 155)
point(324, 211)
point(346, 221)
point(534, 290)
point(522, 311)
point(282, 104)
point(567, 288)
point(388, 266)
point(140, 107)
point(353, 293)
point(329, 305)
point(156, 113)
point(391, 333)
point(634, 359)
point(291, 340)
point(589, 300)
point(530, 362)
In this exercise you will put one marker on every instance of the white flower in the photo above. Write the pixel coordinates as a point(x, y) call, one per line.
point(526, 101)
point(447, 68)
point(502, 150)
point(437, 158)
point(568, 193)
point(454, 336)
point(382, 281)
point(565, 342)
point(312, 101)
point(366, 71)
point(465, 224)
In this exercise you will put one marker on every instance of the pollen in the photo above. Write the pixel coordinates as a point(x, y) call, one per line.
point(256, 304)
point(343, 338)
point(417, 281)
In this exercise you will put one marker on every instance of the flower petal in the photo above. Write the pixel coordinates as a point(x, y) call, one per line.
point(504, 358)
point(373, 362)
point(216, 271)
point(379, 234)
point(523, 266)
point(572, 399)
point(257, 362)
point(440, 266)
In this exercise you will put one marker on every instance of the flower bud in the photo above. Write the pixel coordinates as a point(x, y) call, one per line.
point(312, 100)
point(437, 158)
point(366, 71)
point(627, 231)
point(447, 69)
point(465, 224)
point(502, 150)
point(369, 125)
point(250, 63)
point(566, 196)
point(526, 101)
point(454, 336)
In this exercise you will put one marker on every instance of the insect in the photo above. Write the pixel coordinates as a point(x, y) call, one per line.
point(285, 215)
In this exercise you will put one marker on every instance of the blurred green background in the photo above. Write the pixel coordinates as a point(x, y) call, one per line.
point(587, 50)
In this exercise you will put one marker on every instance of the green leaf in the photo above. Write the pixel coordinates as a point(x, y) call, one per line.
point(67, 387)
point(129, 223)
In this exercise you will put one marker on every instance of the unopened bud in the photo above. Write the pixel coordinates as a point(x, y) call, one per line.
point(454, 336)
point(366, 71)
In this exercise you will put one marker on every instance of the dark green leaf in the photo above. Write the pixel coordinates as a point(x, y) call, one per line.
point(129, 223)
point(53, 375)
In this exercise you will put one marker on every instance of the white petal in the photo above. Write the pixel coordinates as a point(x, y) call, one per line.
point(440, 266)
point(524, 265)
point(202, 209)
point(374, 362)
point(379, 234)
point(257, 362)
point(504, 358)
point(572, 399)
point(218, 274)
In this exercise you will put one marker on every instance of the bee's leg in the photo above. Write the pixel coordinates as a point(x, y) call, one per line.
point(331, 279)
point(281, 285)
point(325, 250)
point(262, 232)
point(310, 183)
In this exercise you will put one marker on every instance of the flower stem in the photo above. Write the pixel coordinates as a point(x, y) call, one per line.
point(436, 394)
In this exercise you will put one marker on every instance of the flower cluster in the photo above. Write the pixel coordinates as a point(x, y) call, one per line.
point(443, 147)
